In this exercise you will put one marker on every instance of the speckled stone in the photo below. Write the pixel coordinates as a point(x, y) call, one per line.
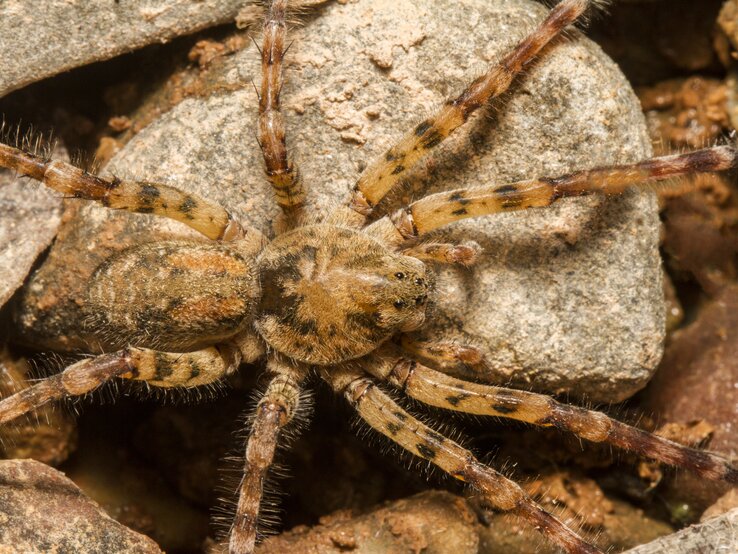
point(567, 299)
point(43, 511)
point(714, 535)
point(29, 218)
point(58, 36)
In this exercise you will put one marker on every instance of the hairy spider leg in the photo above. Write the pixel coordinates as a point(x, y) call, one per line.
point(204, 216)
point(159, 369)
point(438, 389)
point(464, 254)
point(387, 171)
point(385, 416)
point(437, 210)
point(280, 170)
point(274, 411)
point(451, 356)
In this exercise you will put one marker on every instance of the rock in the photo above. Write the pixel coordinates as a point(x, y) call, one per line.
point(436, 521)
point(715, 535)
point(65, 35)
point(132, 492)
point(607, 522)
point(432, 522)
point(696, 380)
point(728, 22)
point(29, 218)
point(724, 504)
point(567, 299)
point(43, 511)
point(656, 40)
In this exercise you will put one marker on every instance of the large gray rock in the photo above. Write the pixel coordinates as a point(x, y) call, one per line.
point(719, 534)
point(29, 218)
point(43, 511)
point(42, 41)
point(567, 299)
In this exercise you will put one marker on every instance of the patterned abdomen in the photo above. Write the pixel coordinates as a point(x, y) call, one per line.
point(173, 295)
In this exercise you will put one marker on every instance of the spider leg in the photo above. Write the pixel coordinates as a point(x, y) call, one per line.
point(198, 213)
point(160, 369)
point(387, 417)
point(437, 210)
point(275, 410)
point(280, 170)
point(448, 355)
point(387, 171)
point(438, 389)
point(464, 254)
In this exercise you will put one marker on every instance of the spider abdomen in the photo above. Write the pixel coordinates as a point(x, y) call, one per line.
point(172, 295)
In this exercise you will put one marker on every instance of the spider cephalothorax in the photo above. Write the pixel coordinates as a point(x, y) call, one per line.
point(185, 314)
point(332, 294)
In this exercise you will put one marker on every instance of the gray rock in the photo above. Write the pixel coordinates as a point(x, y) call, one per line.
point(718, 534)
point(43, 511)
point(29, 218)
point(567, 299)
point(65, 35)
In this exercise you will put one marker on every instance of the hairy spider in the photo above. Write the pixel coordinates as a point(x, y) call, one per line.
point(326, 297)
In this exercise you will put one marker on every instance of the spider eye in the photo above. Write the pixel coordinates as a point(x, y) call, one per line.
point(399, 304)
point(400, 275)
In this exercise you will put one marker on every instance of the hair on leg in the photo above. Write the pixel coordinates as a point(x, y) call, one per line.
point(465, 254)
point(437, 210)
point(274, 411)
point(160, 369)
point(387, 417)
point(388, 170)
point(437, 389)
point(280, 170)
point(204, 216)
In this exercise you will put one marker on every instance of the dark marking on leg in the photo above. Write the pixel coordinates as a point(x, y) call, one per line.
point(426, 451)
point(423, 127)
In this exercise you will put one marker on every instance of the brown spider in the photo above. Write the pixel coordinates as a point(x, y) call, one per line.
point(328, 297)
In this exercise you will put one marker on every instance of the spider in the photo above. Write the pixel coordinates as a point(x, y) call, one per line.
point(331, 298)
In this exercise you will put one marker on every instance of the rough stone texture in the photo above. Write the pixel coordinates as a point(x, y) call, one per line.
point(567, 299)
point(697, 380)
point(436, 521)
point(29, 218)
point(432, 522)
point(65, 35)
point(43, 511)
point(716, 535)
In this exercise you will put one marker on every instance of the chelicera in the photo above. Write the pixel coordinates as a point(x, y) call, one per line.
point(326, 298)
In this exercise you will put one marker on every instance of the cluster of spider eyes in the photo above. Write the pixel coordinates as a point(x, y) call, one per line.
point(419, 301)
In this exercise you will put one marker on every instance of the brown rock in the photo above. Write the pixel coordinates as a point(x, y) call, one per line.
point(43, 511)
point(696, 380)
point(432, 522)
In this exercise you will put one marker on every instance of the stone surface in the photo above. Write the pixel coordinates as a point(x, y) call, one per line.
point(65, 35)
point(29, 218)
point(697, 380)
point(43, 511)
point(567, 299)
point(432, 522)
point(715, 535)
point(436, 521)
